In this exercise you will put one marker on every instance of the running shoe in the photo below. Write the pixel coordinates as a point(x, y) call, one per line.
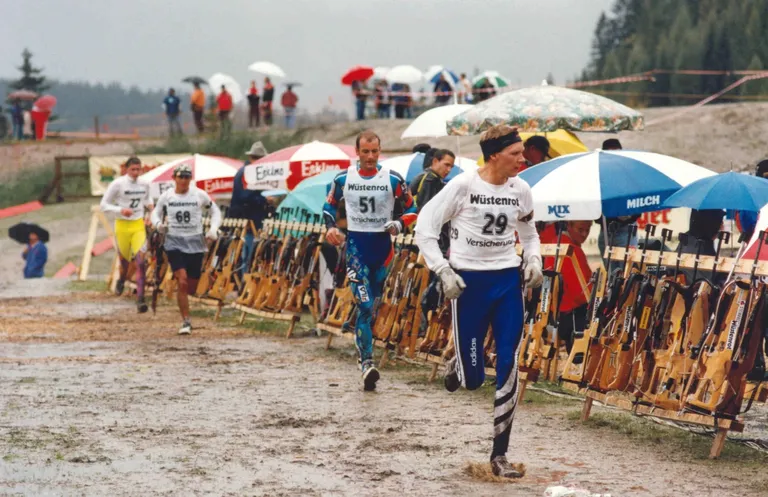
point(186, 328)
point(503, 468)
point(141, 306)
point(119, 287)
point(370, 376)
point(451, 379)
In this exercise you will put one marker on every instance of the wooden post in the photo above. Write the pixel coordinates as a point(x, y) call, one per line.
point(218, 311)
point(59, 179)
point(86, 264)
point(718, 443)
point(384, 357)
point(96, 126)
point(522, 384)
point(433, 374)
point(292, 326)
point(242, 318)
point(330, 339)
point(587, 408)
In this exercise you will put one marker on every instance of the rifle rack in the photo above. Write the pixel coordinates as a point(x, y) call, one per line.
point(625, 403)
point(208, 302)
point(291, 317)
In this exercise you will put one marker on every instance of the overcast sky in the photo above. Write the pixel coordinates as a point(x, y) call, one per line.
point(155, 43)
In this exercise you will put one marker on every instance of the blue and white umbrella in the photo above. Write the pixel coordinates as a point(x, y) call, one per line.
point(409, 166)
point(433, 75)
point(612, 183)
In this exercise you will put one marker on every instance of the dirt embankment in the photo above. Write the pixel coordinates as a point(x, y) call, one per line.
point(99, 402)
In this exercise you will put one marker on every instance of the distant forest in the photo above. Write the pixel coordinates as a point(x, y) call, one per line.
point(641, 35)
point(79, 102)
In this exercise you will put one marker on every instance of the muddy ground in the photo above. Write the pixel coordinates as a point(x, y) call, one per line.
point(97, 401)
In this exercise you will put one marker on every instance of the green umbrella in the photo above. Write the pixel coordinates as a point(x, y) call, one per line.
point(547, 108)
point(308, 197)
point(493, 77)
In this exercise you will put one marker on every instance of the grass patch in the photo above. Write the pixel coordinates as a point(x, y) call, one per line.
point(87, 286)
point(670, 440)
point(28, 379)
point(29, 184)
point(10, 457)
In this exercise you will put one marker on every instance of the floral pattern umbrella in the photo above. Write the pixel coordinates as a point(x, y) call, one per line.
point(547, 108)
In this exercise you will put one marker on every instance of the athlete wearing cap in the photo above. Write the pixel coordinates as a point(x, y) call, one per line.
point(488, 210)
point(370, 193)
point(128, 197)
point(179, 214)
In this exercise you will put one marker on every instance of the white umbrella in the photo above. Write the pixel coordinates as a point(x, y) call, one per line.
point(210, 173)
point(267, 69)
point(431, 124)
point(380, 72)
point(219, 79)
point(404, 74)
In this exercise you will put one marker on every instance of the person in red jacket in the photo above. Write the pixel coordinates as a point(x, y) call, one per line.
point(576, 288)
point(289, 101)
point(224, 101)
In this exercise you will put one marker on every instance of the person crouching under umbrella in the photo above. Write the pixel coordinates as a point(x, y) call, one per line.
point(36, 255)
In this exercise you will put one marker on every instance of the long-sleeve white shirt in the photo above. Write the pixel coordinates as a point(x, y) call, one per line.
point(486, 221)
point(125, 193)
point(184, 214)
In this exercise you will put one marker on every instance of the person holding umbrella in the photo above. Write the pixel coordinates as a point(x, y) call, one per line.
point(267, 97)
point(17, 121)
point(128, 197)
point(224, 102)
point(489, 209)
point(35, 254)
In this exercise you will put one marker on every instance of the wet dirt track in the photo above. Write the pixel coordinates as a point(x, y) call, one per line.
point(97, 401)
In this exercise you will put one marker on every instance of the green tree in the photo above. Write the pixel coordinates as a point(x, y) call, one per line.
point(758, 86)
point(31, 77)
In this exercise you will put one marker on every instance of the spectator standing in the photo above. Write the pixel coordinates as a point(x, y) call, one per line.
point(3, 125)
point(536, 151)
point(408, 100)
point(197, 105)
point(17, 121)
point(248, 204)
point(267, 97)
point(575, 297)
point(224, 102)
point(383, 102)
point(172, 105)
point(443, 91)
point(35, 255)
point(289, 100)
point(465, 90)
point(361, 96)
point(254, 114)
point(484, 91)
point(402, 100)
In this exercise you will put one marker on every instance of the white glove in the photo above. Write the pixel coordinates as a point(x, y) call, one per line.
point(532, 274)
point(453, 284)
point(212, 235)
point(162, 228)
point(394, 227)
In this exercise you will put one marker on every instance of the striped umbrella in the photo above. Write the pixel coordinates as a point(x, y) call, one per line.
point(286, 168)
point(409, 166)
point(210, 173)
point(493, 77)
point(616, 183)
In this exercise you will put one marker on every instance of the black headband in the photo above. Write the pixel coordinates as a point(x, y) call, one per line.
point(496, 145)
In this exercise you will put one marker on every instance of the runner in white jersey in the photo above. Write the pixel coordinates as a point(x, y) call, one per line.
point(489, 209)
point(128, 198)
point(179, 214)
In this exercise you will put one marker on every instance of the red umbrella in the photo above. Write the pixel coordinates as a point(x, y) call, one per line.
point(46, 103)
point(22, 95)
point(357, 73)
